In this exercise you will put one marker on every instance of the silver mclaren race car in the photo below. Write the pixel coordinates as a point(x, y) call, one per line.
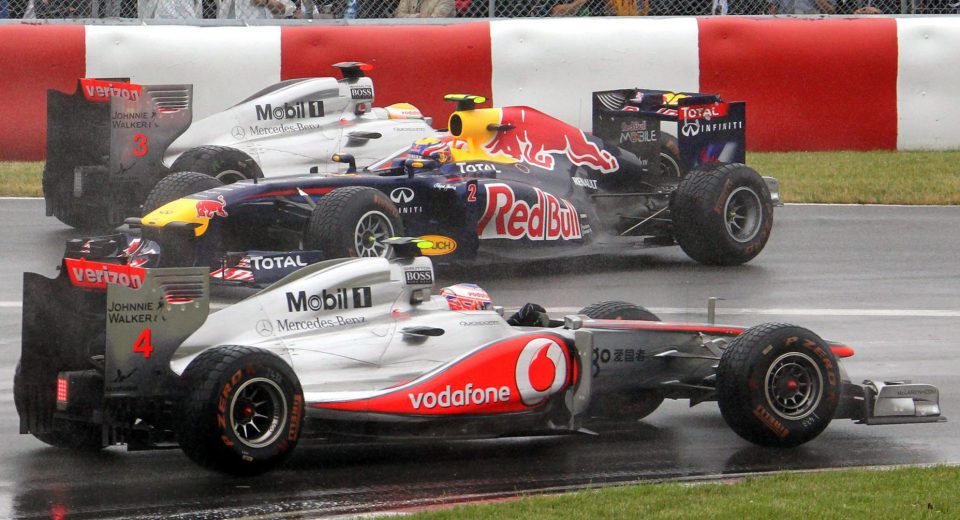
point(362, 349)
point(111, 141)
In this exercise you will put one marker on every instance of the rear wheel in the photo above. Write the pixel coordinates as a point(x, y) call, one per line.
point(616, 310)
point(778, 385)
point(670, 169)
point(243, 410)
point(722, 215)
point(629, 404)
point(353, 222)
point(226, 164)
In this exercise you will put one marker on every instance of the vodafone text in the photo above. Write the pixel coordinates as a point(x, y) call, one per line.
point(467, 396)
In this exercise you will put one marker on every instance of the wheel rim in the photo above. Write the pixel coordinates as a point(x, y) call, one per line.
point(230, 176)
point(371, 231)
point(793, 386)
point(258, 412)
point(669, 169)
point(742, 214)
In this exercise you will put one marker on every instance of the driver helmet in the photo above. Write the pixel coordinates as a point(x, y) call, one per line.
point(466, 297)
point(431, 148)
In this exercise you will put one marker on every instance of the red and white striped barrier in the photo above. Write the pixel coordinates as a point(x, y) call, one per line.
point(809, 83)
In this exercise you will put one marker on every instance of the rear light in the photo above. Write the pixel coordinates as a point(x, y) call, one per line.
point(62, 393)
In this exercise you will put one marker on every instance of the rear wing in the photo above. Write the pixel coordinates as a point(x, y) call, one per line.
point(113, 129)
point(709, 129)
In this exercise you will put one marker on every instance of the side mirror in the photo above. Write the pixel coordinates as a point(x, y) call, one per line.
point(410, 166)
point(348, 159)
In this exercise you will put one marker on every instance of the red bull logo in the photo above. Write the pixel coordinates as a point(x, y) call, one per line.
point(536, 137)
point(212, 208)
point(550, 218)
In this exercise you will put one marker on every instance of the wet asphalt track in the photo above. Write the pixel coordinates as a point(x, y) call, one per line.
point(885, 280)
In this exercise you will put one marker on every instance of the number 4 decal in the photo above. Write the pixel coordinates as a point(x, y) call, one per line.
point(144, 344)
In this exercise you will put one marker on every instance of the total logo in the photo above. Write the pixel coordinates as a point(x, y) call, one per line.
point(707, 112)
point(549, 218)
point(298, 110)
point(277, 262)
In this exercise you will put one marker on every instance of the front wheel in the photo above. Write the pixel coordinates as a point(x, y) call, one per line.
point(722, 215)
point(243, 410)
point(353, 222)
point(778, 385)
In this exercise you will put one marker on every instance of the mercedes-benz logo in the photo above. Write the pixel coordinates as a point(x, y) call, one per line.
point(238, 133)
point(264, 328)
point(401, 195)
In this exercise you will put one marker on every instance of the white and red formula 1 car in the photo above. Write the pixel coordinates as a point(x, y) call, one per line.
point(360, 348)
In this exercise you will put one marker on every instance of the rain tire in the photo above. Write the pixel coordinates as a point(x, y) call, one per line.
point(176, 186)
point(778, 385)
point(226, 164)
point(722, 215)
point(341, 222)
point(629, 405)
point(242, 412)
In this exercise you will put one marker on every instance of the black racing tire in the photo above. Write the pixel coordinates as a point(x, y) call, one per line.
point(226, 164)
point(722, 215)
point(176, 186)
point(778, 385)
point(69, 435)
point(353, 222)
point(671, 170)
point(616, 310)
point(634, 404)
point(262, 415)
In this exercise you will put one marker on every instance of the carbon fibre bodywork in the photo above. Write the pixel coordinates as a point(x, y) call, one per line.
point(514, 183)
point(374, 354)
point(109, 142)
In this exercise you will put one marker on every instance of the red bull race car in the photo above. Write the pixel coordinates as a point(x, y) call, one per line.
point(111, 141)
point(360, 348)
point(507, 183)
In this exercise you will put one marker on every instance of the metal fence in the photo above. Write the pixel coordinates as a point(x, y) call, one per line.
point(185, 10)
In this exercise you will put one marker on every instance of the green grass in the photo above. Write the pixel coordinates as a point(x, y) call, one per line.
point(21, 179)
point(869, 494)
point(864, 177)
point(879, 177)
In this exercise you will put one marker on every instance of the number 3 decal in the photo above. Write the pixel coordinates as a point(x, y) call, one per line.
point(144, 344)
point(140, 147)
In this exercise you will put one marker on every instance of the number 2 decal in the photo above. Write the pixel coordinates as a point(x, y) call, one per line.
point(140, 147)
point(144, 344)
point(471, 192)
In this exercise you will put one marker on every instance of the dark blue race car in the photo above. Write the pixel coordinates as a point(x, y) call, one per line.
point(507, 183)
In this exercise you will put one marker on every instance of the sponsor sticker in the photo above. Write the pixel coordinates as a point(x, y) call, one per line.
point(506, 216)
point(101, 91)
point(418, 276)
point(708, 112)
point(298, 110)
point(439, 245)
point(327, 300)
point(361, 92)
point(89, 274)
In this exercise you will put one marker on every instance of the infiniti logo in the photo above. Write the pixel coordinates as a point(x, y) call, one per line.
point(401, 195)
